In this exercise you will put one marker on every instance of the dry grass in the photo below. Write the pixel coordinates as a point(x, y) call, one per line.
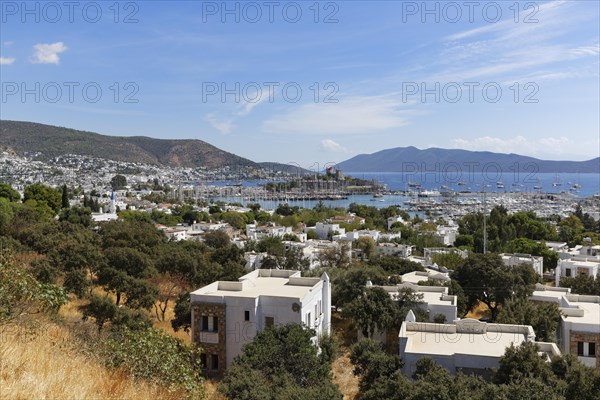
point(342, 368)
point(344, 377)
point(43, 362)
point(481, 311)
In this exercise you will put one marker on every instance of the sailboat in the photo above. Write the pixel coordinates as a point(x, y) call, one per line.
point(556, 181)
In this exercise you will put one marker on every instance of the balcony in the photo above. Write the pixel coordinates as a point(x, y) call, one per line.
point(209, 337)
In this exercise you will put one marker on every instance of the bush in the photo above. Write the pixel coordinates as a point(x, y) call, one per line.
point(152, 354)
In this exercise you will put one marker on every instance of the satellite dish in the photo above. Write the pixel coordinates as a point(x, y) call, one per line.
point(295, 307)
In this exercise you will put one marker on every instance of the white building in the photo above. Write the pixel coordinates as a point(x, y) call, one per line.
point(436, 299)
point(447, 234)
point(226, 315)
point(512, 260)
point(254, 232)
point(576, 266)
point(176, 234)
point(312, 249)
point(392, 220)
point(324, 230)
point(429, 274)
point(579, 329)
point(394, 249)
point(429, 252)
point(467, 345)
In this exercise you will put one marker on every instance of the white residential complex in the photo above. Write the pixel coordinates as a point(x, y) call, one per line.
point(512, 260)
point(226, 315)
point(579, 330)
point(468, 345)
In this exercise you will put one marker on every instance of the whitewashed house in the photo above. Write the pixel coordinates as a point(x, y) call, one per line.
point(467, 345)
point(226, 315)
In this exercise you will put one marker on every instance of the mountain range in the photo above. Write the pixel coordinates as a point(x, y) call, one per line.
point(51, 141)
point(411, 159)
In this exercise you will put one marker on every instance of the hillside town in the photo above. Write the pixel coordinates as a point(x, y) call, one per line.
point(458, 290)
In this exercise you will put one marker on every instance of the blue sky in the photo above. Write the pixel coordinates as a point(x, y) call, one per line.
point(494, 76)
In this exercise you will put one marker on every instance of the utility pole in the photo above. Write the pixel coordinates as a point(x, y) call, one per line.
point(484, 222)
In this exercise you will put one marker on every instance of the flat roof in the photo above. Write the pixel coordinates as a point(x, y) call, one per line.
point(253, 285)
point(492, 344)
point(591, 313)
point(466, 336)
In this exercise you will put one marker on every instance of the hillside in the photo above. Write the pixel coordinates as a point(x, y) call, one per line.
point(52, 141)
point(411, 159)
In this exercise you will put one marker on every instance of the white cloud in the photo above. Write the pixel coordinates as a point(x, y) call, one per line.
point(332, 146)
point(47, 53)
point(224, 126)
point(518, 144)
point(499, 51)
point(352, 115)
point(6, 61)
point(249, 106)
point(8, 43)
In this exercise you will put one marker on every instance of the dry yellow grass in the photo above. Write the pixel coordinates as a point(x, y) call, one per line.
point(344, 377)
point(481, 311)
point(44, 363)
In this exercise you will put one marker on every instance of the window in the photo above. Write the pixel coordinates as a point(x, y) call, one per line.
point(214, 361)
point(246, 315)
point(308, 319)
point(592, 349)
point(215, 324)
point(269, 322)
point(204, 323)
point(568, 272)
point(203, 360)
point(579, 348)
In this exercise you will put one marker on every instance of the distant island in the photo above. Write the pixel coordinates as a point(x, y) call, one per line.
point(411, 159)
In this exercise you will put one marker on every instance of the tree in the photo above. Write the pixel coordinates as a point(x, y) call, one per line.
point(544, 317)
point(21, 293)
point(118, 182)
point(570, 229)
point(283, 360)
point(102, 309)
point(7, 192)
point(373, 310)
point(126, 268)
point(582, 284)
point(217, 239)
point(484, 278)
point(77, 215)
point(349, 285)
point(375, 366)
point(335, 257)
point(153, 355)
point(45, 195)
point(367, 245)
point(535, 248)
point(183, 313)
point(522, 362)
point(65, 197)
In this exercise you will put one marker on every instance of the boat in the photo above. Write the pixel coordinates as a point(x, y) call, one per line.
point(461, 184)
point(556, 182)
point(377, 195)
